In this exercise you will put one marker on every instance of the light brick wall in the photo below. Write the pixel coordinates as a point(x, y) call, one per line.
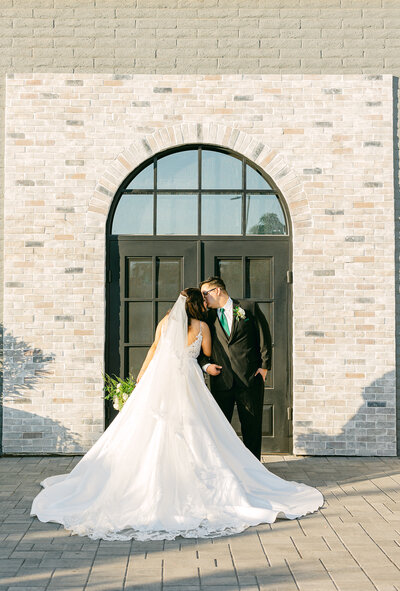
point(327, 142)
point(199, 37)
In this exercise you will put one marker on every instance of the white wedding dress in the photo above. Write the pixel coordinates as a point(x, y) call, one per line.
point(170, 464)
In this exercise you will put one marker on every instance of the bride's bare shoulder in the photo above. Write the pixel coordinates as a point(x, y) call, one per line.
point(163, 322)
point(205, 329)
point(194, 325)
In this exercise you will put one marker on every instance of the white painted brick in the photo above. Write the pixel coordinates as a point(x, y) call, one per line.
point(308, 128)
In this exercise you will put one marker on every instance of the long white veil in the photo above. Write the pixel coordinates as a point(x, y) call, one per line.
point(173, 341)
point(165, 379)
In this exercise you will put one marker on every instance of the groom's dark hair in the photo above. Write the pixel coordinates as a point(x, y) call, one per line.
point(214, 282)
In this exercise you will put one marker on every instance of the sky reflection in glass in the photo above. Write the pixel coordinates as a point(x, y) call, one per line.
point(178, 171)
point(177, 214)
point(134, 215)
point(255, 181)
point(144, 180)
point(220, 171)
point(221, 214)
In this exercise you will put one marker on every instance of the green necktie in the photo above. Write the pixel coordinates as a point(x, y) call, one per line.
point(224, 322)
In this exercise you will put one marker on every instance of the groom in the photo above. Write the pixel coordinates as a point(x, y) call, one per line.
point(240, 358)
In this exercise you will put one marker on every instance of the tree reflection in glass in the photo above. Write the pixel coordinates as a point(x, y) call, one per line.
point(264, 215)
point(268, 224)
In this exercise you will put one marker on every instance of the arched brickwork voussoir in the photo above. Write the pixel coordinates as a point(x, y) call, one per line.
point(147, 145)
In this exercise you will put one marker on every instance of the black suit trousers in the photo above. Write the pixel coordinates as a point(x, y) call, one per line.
point(249, 402)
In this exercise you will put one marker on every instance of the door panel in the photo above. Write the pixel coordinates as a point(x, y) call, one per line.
point(146, 278)
point(257, 270)
point(149, 274)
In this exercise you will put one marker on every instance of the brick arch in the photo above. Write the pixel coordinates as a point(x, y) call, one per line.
point(147, 145)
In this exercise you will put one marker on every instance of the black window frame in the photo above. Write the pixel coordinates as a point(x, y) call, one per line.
point(123, 190)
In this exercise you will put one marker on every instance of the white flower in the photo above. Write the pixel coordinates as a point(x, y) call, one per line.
point(119, 386)
point(115, 403)
point(125, 397)
point(239, 312)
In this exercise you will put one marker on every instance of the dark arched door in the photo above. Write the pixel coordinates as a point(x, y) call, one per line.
point(184, 215)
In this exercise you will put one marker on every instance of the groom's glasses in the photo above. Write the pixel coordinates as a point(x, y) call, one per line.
point(205, 293)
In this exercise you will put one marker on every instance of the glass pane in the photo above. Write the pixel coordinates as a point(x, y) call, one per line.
point(221, 214)
point(169, 277)
point(162, 309)
point(136, 356)
point(258, 278)
point(220, 171)
point(143, 180)
point(134, 215)
point(178, 171)
point(254, 180)
point(140, 322)
point(139, 278)
point(230, 270)
point(177, 214)
point(264, 215)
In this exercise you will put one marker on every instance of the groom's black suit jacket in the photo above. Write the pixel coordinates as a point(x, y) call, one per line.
point(247, 348)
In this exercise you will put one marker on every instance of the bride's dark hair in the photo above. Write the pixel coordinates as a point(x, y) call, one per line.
point(194, 304)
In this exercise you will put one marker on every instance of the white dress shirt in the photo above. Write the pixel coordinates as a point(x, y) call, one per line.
point(228, 309)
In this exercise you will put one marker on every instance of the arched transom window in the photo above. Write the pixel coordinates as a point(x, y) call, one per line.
point(198, 191)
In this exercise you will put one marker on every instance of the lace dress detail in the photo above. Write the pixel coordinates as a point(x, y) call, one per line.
point(193, 350)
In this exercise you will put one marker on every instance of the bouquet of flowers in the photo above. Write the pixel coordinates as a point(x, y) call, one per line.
point(118, 390)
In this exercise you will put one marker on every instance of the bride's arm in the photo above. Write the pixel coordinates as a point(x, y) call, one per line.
point(152, 349)
point(206, 342)
point(209, 367)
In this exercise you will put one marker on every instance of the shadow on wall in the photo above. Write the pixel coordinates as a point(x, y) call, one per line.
point(21, 370)
point(371, 431)
point(21, 367)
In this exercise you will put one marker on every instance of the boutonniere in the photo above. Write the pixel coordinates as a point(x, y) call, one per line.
point(239, 313)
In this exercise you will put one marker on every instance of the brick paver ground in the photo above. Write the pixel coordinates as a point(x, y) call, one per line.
point(351, 544)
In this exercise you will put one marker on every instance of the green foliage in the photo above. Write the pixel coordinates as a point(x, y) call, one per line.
point(117, 389)
point(268, 223)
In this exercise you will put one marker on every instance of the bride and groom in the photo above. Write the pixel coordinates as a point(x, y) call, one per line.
point(170, 463)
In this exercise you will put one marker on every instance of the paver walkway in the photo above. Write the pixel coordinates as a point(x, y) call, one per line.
point(352, 544)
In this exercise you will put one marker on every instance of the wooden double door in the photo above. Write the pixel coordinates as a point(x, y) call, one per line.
point(144, 278)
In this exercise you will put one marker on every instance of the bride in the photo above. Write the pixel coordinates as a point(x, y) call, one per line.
point(170, 464)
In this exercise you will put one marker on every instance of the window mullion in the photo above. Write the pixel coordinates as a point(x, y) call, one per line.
point(244, 197)
point(155, 198)
point(199, 193)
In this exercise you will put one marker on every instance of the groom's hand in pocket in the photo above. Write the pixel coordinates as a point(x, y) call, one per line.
point(262, 372)
point(213, 369)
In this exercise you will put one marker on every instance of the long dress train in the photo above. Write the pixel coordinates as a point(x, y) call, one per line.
point(170, 464)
